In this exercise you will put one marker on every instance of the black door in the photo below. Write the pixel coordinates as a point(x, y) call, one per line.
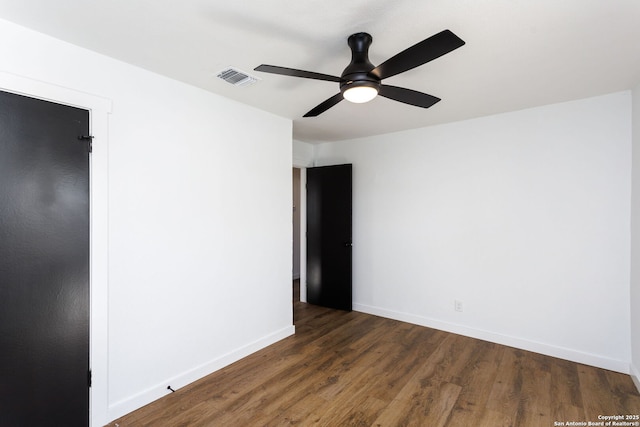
point(44, 263)
point(329, 236)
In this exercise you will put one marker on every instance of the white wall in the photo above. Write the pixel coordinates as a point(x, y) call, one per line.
point(635, 242)
point(523, 217)
point(303, 153)
point(199, 187)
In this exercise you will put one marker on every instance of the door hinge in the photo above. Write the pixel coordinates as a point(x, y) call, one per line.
point(89, 139)
point(89, 378)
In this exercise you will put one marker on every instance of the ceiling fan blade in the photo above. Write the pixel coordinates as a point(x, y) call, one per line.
point(296, 73)
point(418, 54)
point(408, 96)
point(321, 108)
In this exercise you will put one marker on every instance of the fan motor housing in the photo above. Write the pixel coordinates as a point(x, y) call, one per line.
point(357, 72)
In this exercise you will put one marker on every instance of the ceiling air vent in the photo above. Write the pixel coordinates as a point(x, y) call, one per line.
point(237, 77)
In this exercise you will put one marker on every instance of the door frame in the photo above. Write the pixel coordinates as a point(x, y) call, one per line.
point(99, 109)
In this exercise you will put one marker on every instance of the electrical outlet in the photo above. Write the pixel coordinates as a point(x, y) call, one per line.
point(457, 305)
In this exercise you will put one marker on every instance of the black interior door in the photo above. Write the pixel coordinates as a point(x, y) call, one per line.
point(329, 236)
point(44, 263)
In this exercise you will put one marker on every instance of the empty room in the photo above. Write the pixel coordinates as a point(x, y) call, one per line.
point(458, 243)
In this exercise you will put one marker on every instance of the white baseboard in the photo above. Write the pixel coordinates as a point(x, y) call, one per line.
point(524, 344)
point(635, 376)
point(145, 397)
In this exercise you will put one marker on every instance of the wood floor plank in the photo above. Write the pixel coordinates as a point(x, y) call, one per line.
point(351, 399)
point(299, 413)
point(399, 363)
point(491, 418)
point(477, 385)
point(535, 393)
point(431, 403)
point(601, 397)
point(353, 369)
point(505, 393)
point(427, 395)
point(354, 410)
point(566, 397)
point(624, 391)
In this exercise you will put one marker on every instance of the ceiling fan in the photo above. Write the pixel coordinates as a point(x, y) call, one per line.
point(361, 81)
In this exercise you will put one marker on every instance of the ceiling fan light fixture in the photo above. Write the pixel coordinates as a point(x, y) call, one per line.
point(360, 94)
point(361, 81)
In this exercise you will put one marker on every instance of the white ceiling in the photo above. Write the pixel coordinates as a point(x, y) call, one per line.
point(518, 53)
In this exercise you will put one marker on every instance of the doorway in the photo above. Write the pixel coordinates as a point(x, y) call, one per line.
point(296, 223)
point(100, 109)
point(299, 224)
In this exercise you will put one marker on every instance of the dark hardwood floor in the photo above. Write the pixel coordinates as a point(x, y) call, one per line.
point(353, 369)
